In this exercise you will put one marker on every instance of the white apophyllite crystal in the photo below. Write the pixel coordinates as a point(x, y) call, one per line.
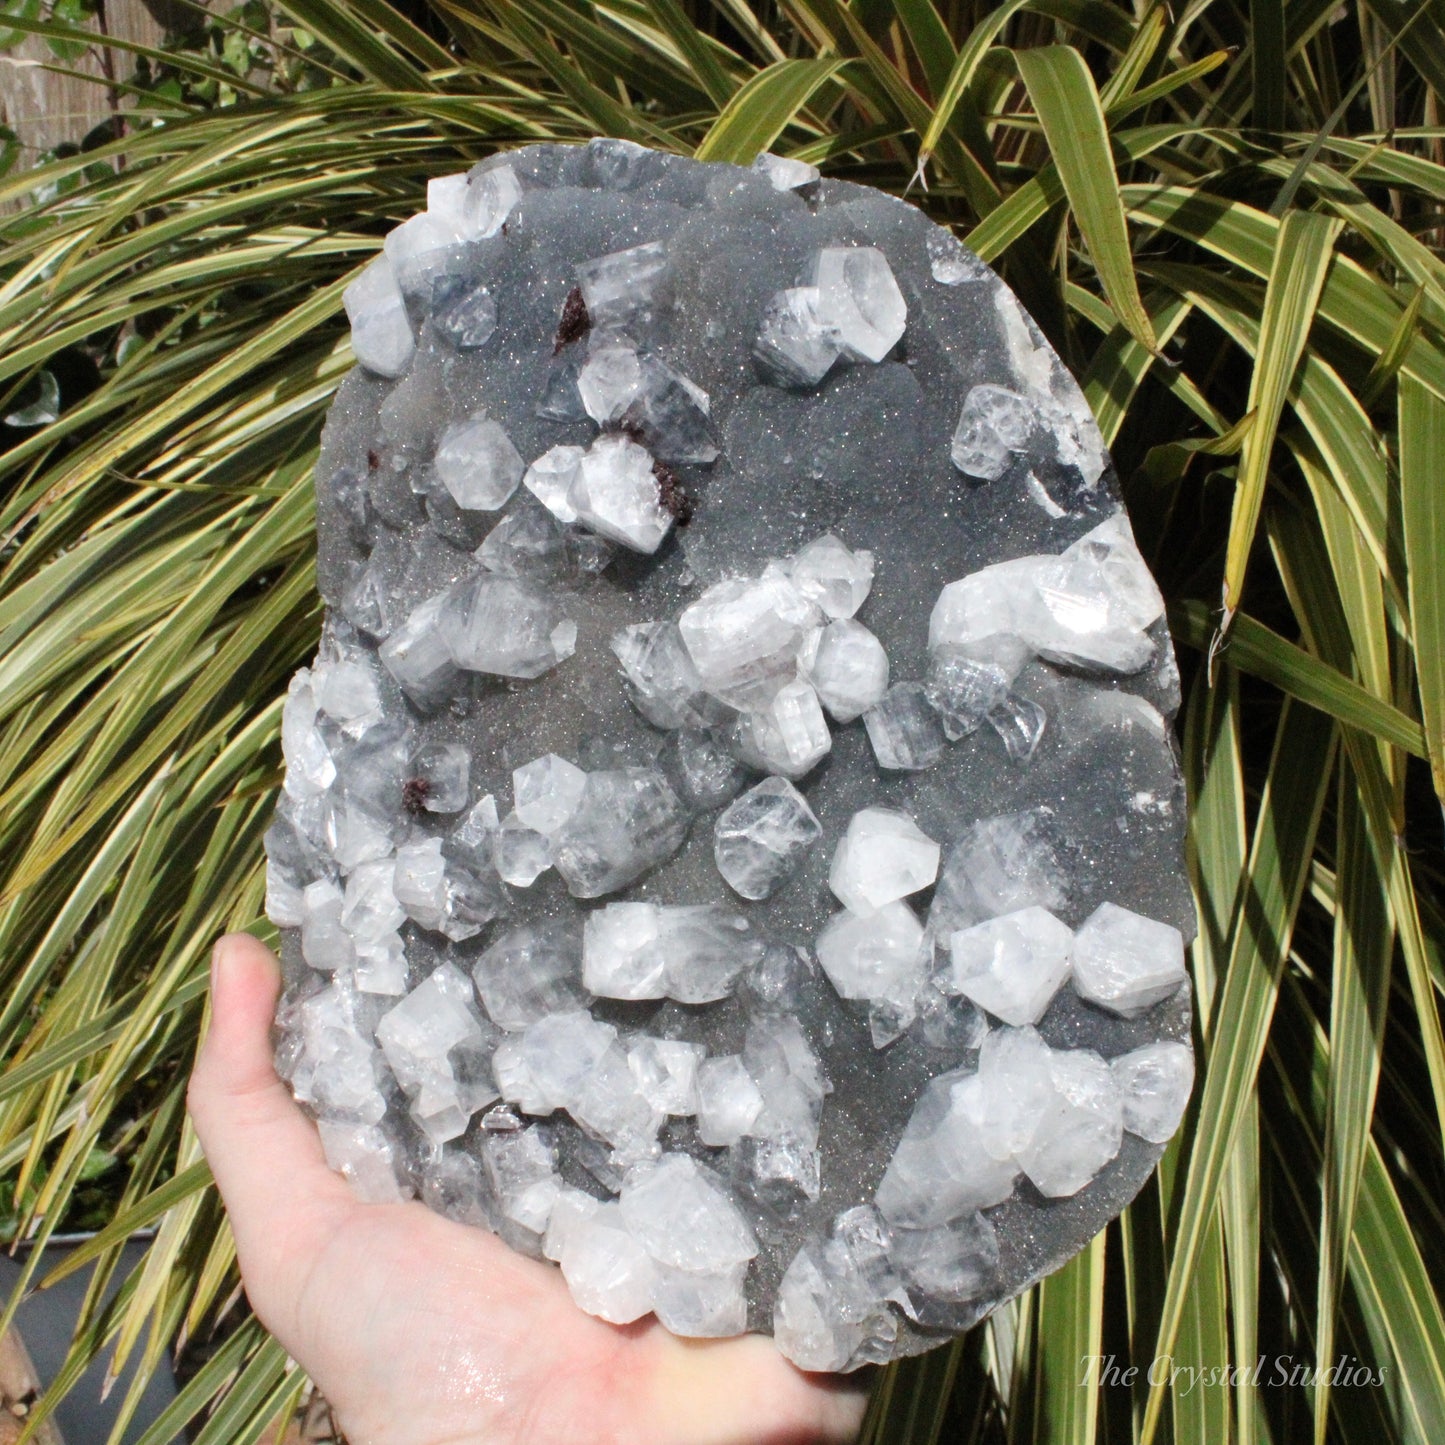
point(608, 1272)
point(346, 691)
point(852, 308)
point(943, 1168)
point(759, 838)
point(550, 480)
point(984, 608)
point(883, 856)
point(1125, 962)
point(418, 657)
point(1056, 1112)
point(435, 1042)
point(570, 1208)
point(325, 943)
point(478, 464)
point(949, 1272)
point(685, 1217)
point(701, 1304)
point(504, 627)
point(381, 334)
point(419, 876)
point(522, 854)
point(998, 866)
point(859, 301)
point(832, 1306)
point(439, 774)
point(615, 492)
point(794, 343)
point(369, 907)
point(629, 821)
point(623, 283)
point(663, 682)
point(788, 736)
point(1080, 1127)
point(521, 1166)
point(849, 671)
point(744, 636)
point(475, 204)
point(666, 1072)
point(728, 1100)
point(877, 956)
point(1155, 1083)
point(620, 386)
point(546, 1066)
point(904, 729)
point(1012, 966)
point(995, 423)
point(463, 311)
point(1019, 723)
point(310, 767)
point(828, 573)
point(1089, 607)
point(965, 690)
point(951, 264)
point(648, 950)
point(530, 972)
point(1091, 604)
point(547, 792)
point(368, 1158)
point(491, 197)
point(330, 1061)
point(609, 382)
point(784, 173)
point(422, 250)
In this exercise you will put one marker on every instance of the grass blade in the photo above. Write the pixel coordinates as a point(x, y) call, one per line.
point(764, 108)
point(1067, 105)
point(1301, 258)
point(1422, 508)
point(1257, 650)
point(1280, 853)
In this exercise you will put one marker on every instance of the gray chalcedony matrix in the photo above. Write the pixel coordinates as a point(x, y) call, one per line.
point(731, 838)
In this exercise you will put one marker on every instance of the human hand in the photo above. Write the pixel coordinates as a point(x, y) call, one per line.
point(420, 1331)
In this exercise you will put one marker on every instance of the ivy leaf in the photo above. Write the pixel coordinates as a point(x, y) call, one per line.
point(21, 10)
point(77, 14)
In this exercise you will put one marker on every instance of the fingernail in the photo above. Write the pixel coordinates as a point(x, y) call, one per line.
point(218, 958)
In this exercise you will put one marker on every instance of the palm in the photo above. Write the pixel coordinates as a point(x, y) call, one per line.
point(424, 1332)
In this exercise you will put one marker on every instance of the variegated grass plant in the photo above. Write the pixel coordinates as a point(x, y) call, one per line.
point(1229, 222)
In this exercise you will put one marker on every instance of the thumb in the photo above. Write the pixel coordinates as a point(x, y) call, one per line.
point(265, 1155)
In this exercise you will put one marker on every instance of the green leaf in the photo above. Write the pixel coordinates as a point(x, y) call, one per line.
point(1284, 837)
point(190, 1180)
point(1067, 105)
point(11, 36)
point(1070, 1324)
point(930, 39)
point(74, 13)
point(1257, 650)
point(375, 37)
point(1302, 256)
point(252, 1401)
point(1360, 982)
point(961, 75)
point(764, 108)
point(1422, 507)
point(698, 49)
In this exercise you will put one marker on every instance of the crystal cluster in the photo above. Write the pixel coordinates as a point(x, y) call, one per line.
point(731, 841)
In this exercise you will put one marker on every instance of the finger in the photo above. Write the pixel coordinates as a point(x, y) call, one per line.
point(265, 1154)
point(714, 1392)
